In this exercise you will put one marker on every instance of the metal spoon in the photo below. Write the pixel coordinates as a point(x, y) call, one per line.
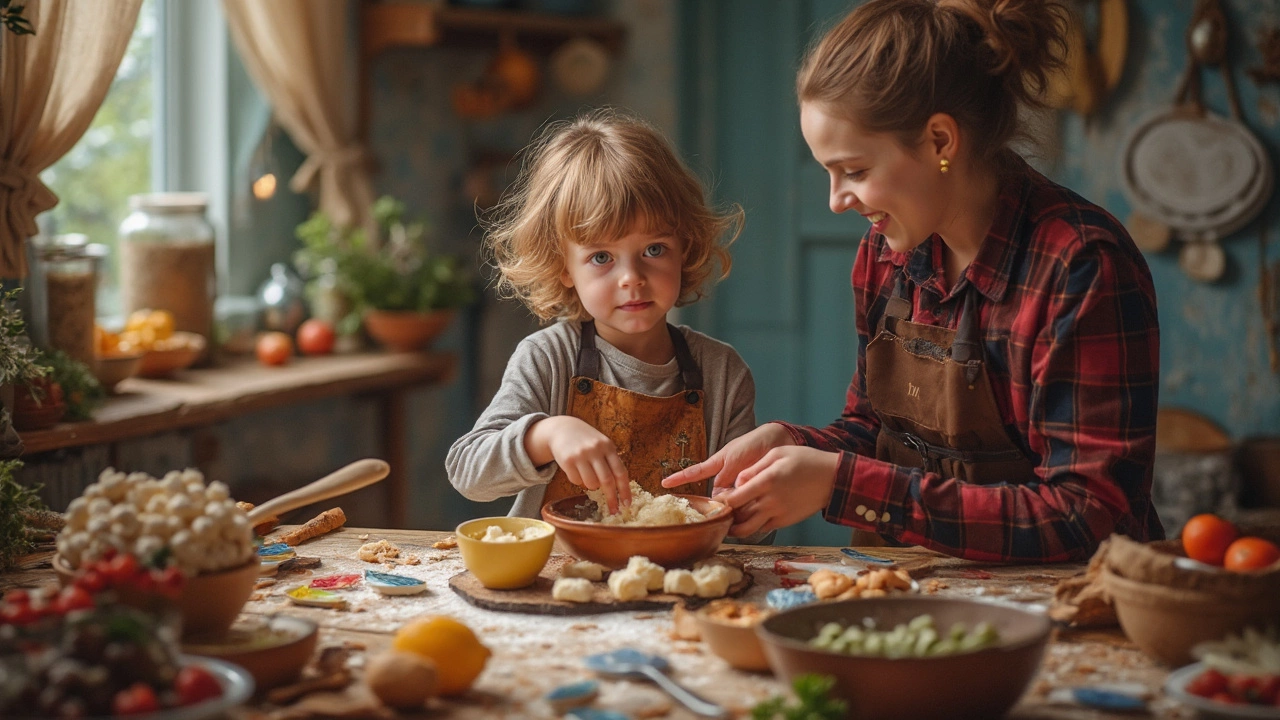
point(632, 664)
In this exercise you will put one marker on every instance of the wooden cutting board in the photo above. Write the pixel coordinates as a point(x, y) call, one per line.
point(536, 599)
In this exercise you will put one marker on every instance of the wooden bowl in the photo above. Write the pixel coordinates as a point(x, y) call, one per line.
point(979, 685)
point(274, 650)
point(504, 565)
point(209, 603)
point(159, 363)
point(736, 642)
point(613, 545)
point(111, 370)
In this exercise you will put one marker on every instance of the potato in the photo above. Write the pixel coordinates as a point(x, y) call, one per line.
point(401, 679)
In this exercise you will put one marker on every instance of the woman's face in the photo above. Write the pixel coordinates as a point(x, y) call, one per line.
point(899, 191)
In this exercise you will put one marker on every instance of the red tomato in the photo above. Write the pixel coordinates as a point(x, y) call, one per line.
point(72, 597)
point(1251, 553)
point(137, 699)
point(1206, 537)
point(316, 337)
point(122, 569)
point(195, 684)
point(274, 348)
point(1208, 683)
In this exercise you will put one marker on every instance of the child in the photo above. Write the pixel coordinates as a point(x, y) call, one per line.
point(604, 231)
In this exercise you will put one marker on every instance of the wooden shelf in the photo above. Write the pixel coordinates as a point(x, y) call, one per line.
point(403, 23)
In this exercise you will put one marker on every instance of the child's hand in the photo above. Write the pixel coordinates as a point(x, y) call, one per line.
point(588, 458)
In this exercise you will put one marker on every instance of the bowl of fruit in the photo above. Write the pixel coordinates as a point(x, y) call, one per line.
point(151, 335)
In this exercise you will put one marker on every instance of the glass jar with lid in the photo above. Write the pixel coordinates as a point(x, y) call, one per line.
point(167, 259)
point(64, 281)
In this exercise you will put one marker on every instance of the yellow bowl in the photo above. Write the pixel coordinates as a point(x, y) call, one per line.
point(504, 565)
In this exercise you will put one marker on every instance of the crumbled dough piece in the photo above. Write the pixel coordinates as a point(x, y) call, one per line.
point(829, 583)
point(583, 569)
point(448, 543)
point(713, 582)
point(679, 582)
point(627, 585)
point(647, 569)
point(735, 572)
point(378, 552)
point(646, 509)
point(572, 589)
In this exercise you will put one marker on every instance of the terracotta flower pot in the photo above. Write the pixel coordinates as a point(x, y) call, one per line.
point(405, 331)
point(32, 414)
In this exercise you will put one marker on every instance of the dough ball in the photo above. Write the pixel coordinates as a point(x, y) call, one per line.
point(735, 572)
point(584, 569)
point(647, 569)
point(572, 589)
point(401, 679)
point(679, 582)
point(713, 581)
point(626, 585)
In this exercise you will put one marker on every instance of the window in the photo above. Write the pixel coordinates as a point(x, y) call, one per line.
point(113, 159)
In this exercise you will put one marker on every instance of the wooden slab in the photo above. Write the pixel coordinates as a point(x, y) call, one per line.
point(536, 599)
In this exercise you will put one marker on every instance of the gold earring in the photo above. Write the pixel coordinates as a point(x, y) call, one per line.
point(944, 165)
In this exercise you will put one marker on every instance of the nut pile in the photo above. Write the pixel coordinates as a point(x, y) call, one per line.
point(176, 521)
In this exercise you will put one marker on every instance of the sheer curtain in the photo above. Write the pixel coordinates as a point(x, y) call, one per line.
point(297, 53)
point(51, 85)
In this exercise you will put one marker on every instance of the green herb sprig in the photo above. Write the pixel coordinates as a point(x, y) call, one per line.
point(19, 359)
point(15, 540)
point(813, 702)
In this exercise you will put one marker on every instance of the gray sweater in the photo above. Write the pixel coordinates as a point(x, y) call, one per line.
point(490, 462)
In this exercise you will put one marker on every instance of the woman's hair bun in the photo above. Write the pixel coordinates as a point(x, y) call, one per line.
point(1025, 38)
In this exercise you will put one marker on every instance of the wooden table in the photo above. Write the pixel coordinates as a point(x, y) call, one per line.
point(240, 386)
point(535, 653)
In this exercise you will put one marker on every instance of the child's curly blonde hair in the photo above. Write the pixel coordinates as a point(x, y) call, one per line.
point(587, 181)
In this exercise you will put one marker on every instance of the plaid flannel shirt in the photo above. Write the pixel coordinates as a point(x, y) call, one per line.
point(1071, 337)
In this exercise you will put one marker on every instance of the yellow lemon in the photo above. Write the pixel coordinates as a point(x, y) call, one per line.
point(458, 653)
point(162, 322)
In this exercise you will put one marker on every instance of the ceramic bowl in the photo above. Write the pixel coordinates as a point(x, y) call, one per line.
point(1176, 687)
point(405, 331)
point(274, 650)
point(1166, 622)
point(613, 545)
point(504, 565)
point(159, 363)
point(981, 684)
point(209, 603)
point(734, 640)
point(111, 370)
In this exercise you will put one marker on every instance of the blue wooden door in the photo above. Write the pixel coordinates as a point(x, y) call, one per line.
point(788, 305)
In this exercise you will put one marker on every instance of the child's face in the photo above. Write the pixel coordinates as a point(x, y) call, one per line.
point(627, 286)
point(903, 195)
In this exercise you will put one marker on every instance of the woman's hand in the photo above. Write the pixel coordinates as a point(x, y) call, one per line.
point(784, 487)
point(739, 454)
point(589, 459)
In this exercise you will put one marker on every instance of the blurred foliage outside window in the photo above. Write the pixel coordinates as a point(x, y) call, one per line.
point(111, 161)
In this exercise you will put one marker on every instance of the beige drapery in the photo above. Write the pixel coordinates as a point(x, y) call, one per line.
point(298, 54)
point(51, 85)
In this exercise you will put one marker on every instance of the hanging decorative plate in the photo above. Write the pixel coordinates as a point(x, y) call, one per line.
point(389, 584)
point(1203, 175)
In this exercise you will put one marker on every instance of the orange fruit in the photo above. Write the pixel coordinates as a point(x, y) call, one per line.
point(1251, 553)
point(1206, 538)
point(457, 652)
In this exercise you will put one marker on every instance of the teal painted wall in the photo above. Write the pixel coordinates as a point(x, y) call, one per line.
point(787, 307)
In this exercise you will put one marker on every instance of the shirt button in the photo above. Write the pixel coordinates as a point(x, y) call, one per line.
point(860, 510)
point(885, 517)
point(870, 516)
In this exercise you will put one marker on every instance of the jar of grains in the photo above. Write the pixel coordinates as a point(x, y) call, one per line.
point(167, 259)
point(67, 272)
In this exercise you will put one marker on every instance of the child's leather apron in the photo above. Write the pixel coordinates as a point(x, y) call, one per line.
point(655, 436)
point(930, 389)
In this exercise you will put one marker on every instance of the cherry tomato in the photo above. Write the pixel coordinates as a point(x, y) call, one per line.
point(274, 348)
point(92, 580)
point(17, 597)
point(122, 569)
point(1208, 683)
point(195, 684)
point(72, 597)
point(18, 614)
point(1251, 553)
point(316, 337)
point(1206, 537)
point(137, 699)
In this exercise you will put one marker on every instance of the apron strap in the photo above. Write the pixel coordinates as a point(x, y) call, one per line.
point(589, 357)
point(899, 305)
point(966, 349)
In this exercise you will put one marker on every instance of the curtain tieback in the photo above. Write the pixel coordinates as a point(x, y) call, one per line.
point(28, 196)
point(330, 160)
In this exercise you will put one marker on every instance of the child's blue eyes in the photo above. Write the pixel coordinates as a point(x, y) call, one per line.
point(604, 258)
point(600, 258)
point(654, 251)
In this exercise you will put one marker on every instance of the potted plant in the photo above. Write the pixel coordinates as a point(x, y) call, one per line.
point(404, 294)
point(22, 375)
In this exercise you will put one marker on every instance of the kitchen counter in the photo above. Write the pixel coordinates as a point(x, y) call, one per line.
point(535, 653)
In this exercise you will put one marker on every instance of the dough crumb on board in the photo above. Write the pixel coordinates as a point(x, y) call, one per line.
point(448, 543)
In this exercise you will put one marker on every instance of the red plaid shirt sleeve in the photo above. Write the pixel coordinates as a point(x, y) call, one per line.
point(1072, 344)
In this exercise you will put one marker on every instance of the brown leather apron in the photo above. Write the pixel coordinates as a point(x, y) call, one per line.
point(655, 436)
point(930, 389)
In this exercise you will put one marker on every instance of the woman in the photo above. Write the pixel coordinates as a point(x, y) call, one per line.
point(1004, 400)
